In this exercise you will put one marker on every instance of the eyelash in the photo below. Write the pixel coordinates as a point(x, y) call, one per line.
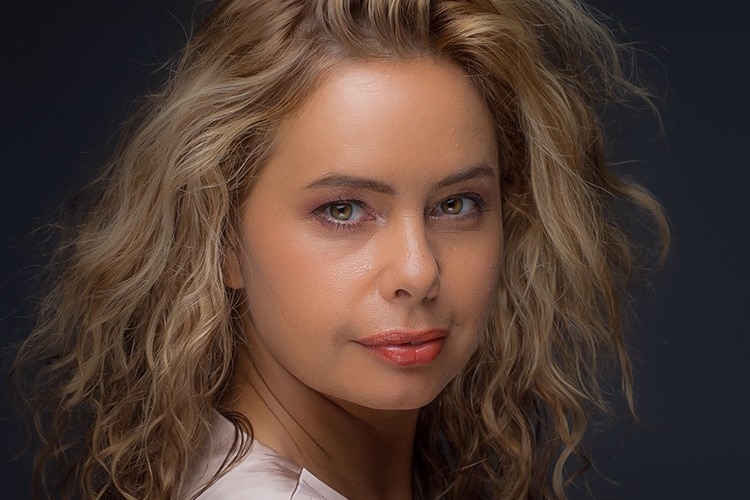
point(479, 208)
point(324, 216)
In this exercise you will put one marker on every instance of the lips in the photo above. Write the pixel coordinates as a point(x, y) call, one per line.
point(406, 348)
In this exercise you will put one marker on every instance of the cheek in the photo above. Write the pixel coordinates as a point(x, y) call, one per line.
point(478, 291)
point(471, 274)
point(296, 281)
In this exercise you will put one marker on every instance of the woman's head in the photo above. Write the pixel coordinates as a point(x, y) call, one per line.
point(254, 64)
point(144, 320)
point(369, 247)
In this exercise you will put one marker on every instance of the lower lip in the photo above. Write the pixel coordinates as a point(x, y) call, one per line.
point(420, 354)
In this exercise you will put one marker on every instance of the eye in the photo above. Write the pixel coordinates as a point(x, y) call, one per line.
point(459, 206)
point(343, 210)
point(343, 214)
point(452, 206)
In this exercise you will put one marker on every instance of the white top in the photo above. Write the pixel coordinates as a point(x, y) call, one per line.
point(261, 474)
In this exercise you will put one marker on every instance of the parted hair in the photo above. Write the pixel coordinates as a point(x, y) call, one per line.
point(137, 332)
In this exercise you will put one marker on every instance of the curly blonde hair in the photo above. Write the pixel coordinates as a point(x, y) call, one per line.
point(136, 337)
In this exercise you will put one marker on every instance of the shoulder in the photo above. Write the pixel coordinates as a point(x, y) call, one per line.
point(261, 473)
point(242, 483)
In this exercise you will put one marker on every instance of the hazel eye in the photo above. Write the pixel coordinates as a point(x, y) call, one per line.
point(343, 213)
point(452, 206)
point(343, 210)
point(459, 205)
point(459, 209)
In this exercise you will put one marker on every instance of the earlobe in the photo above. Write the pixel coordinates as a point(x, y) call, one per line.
point(231, 270)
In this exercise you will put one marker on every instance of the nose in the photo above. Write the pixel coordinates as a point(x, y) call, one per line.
point(410, 264)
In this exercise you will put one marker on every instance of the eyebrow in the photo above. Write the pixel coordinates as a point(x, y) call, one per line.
point(471, 173)
point(351, 181)
point(355, 182)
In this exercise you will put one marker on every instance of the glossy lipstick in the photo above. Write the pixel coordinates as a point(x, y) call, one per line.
point(406, 347)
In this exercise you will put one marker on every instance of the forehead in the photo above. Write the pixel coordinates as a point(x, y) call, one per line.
point(388, 116)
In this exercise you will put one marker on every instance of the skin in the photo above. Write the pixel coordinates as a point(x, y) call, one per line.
point(379, 211)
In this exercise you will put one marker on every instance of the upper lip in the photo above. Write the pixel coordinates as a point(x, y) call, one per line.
point(403, 337)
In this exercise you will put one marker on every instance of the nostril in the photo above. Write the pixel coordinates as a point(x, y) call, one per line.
point(410, 266)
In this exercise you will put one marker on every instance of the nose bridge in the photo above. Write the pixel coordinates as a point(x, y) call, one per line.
point(412, 263)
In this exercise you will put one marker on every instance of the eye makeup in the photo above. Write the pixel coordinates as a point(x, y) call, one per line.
point(455, 211)
point(343, 214)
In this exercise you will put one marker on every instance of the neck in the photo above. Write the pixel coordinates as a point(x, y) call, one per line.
point(360, 452)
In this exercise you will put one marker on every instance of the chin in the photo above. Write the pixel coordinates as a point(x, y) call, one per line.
point(404, 399)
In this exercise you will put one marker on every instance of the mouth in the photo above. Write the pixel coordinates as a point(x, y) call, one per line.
point(403, 337)
point(406, 347)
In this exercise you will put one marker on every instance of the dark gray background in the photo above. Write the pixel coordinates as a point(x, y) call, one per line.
point(71, 69)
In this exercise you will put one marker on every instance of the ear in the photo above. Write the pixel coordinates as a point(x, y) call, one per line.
point(231, 269)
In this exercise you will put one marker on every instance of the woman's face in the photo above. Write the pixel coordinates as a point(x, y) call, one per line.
point(370, 245)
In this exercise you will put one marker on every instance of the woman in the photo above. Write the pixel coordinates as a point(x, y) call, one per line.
point(359, 249)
